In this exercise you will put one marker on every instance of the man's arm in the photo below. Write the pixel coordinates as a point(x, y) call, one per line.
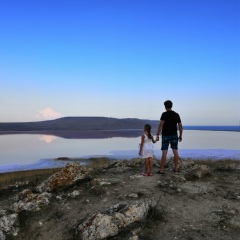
point(180, 131)
point(160, 127)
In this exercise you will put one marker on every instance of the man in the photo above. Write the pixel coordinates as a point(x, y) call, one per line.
point(168, 128)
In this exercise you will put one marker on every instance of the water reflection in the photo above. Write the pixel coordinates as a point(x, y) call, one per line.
point(23, 149)
point(47, 138)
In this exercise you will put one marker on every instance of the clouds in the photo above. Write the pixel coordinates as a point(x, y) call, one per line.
point(48, 113)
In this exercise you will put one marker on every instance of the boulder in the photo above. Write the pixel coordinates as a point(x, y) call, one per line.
point(9, 224)
point(2, 235)
point(197, 172)
point(65, 178)
point(183, 165)
point(110, 222)
point(29, 201)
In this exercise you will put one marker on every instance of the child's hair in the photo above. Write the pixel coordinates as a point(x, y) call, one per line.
point(147, 128)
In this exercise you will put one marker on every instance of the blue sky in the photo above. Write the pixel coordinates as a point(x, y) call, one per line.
point(120, 59)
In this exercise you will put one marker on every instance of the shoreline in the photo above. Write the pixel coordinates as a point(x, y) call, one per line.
point(89, 161)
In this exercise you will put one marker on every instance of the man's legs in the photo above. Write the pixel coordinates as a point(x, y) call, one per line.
point(176, 157)
point(174, 146)
point(165, 144)
point(163, 162)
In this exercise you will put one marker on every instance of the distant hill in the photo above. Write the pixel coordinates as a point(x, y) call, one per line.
point(79, 124)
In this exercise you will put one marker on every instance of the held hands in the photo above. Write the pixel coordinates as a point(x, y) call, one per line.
point(157, 138)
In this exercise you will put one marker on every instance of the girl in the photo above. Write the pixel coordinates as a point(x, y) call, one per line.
point(146, 149)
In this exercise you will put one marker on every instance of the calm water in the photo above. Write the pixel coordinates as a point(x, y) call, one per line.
point(28, 151)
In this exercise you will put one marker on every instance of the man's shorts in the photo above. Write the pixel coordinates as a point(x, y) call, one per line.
point(166, 140)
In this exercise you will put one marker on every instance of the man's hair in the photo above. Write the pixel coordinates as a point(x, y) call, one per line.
point(168, 104)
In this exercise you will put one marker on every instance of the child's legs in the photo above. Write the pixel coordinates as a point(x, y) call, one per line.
point(150, 164)
point(146, 164)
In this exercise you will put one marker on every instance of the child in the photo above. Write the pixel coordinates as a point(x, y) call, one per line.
point(146, 149)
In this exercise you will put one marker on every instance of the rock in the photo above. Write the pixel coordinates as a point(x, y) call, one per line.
point(197, 187)
point(178, 178)
point(25, 195)
point(133, 195)
point(31, 201)
point(9, 224)
point(197, 172)
point(183, 165)
point(229, 210)
point(103, 181)
point(65, 178)
point(59, 198)
point(2, 235)
point(136, 176)
point(74, 193)
point(109, 223)
point(134, 238)
point(3, 212)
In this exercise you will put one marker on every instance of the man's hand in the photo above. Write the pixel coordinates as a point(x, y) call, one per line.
point(180, 139)
point(157, 138)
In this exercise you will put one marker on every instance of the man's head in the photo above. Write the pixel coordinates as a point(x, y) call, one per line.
point(168, 104)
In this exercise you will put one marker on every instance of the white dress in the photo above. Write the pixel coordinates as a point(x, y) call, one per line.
point(147, 147)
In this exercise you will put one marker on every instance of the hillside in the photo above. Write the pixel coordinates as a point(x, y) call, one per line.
point(78, 123)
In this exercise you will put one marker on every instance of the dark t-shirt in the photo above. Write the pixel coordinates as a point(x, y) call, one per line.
point(170, 119)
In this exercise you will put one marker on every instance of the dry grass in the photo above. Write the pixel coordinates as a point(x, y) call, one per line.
point(216, 163)
point(98, 162)
point(31, 175)
point(39, 175)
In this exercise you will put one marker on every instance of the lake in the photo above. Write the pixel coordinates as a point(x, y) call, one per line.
point(31, 151)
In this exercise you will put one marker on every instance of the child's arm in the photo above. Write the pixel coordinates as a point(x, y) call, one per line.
point(154, 140)
point(141, 145)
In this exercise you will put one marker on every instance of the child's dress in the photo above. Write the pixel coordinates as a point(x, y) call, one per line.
point(147, 147)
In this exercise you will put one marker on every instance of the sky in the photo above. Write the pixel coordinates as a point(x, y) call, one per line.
point(120, 59)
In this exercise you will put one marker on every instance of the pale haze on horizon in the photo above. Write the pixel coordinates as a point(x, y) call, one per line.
point(120, 59)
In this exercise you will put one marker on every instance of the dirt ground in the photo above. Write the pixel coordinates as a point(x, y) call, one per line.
point(207, 208)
